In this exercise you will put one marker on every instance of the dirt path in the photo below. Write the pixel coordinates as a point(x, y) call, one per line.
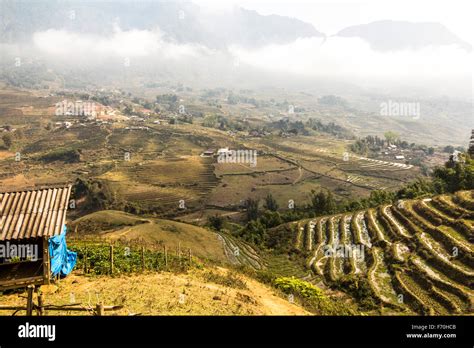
point(126, 230)
point(300, 174)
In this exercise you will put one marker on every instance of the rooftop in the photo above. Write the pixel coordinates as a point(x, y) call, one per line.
point(33, 213)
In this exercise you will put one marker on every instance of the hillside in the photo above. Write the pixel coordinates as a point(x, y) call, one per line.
point(416, 256)
point(197, 292)
point(398, 35)
point(116, 225)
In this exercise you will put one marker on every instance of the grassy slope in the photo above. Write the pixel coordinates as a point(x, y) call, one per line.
point(159, 294)
point(123, 226)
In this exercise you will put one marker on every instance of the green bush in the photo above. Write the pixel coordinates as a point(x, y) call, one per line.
point(312, 297)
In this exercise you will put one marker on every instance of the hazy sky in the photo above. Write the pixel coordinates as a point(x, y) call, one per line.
point(332, 16)
point(347, 58)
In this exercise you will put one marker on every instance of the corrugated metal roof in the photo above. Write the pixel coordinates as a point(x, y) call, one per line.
point(33, 213)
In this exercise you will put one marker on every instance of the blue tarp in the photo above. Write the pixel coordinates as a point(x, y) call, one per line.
point(62, 259)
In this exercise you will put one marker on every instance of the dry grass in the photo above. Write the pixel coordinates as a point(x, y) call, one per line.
point(166, 294)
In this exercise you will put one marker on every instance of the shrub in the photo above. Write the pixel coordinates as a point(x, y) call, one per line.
point(311, 297)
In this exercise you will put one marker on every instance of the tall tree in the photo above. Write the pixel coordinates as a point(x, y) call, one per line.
point(271, 203)
point(252, 209)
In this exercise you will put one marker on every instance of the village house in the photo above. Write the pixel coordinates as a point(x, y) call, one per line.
point(32, 236)
point(208, 153)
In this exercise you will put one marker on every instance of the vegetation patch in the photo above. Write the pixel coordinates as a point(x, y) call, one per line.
point(230, 279)
point(312, 297)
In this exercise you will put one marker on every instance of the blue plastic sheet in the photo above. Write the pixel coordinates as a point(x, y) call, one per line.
point(62, 259)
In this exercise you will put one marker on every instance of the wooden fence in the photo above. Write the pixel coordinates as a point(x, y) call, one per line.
point(99, 257)
point(96, 256)
point(40, 307)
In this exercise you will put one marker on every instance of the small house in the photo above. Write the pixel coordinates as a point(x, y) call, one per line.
point(208, 153)
point(30, 223)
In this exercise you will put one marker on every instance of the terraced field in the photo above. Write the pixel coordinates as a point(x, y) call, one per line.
point(164, 182)
point(417, 255)
point(240, 253)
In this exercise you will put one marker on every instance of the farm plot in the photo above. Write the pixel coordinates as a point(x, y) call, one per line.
point(240, 253)
point(167, 181)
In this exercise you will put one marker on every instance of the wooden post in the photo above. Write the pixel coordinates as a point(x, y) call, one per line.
point(85, 260)
point(29, 300)
point(165, 252)
point(40, 303)
point(143, 258)
point(99, 309)
point(111, 259)
point(189, 256)
point(46, 263)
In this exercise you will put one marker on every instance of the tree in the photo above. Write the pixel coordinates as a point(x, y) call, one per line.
point(391, 137)
point(7, 140)
point(448, 149)
point(271, 219)
point(252, 209)
point(216, 222)
point(456, 176)
point(331, 206)
point(271, 203)
point(323, 203)
point(253, 232)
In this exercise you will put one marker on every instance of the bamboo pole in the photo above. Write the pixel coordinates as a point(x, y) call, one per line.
point(111, 259)
point(189, 256)
point(143, 258)
point(85, 260)
point(166, 255)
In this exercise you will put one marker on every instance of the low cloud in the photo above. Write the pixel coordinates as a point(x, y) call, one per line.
point(446, 69)
point(125, 44)
point(353, 57)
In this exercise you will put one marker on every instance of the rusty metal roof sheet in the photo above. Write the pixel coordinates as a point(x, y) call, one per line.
point(33, 213)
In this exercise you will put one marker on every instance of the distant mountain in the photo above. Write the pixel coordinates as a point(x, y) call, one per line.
point(248, 28)
point(180, 21)
point(398, 35)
